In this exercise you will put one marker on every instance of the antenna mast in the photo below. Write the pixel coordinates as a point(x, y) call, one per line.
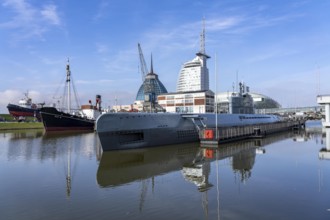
point(202, 43)
point(216, 100)
point(236, 81)
point(318, 79)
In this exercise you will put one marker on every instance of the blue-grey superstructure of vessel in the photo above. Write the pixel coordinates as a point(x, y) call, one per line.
point(137, 130)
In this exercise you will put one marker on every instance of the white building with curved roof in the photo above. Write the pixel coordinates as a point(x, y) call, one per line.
point(194, 74)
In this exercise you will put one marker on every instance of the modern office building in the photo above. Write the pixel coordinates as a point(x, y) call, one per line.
point(194, 75)
point(193, 94)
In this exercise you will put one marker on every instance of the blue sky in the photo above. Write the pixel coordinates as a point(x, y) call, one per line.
point(279, 48)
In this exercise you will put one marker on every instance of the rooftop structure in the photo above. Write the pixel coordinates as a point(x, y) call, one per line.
point(264, 102)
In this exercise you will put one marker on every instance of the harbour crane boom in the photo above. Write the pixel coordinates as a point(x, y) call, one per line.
point(144, 69)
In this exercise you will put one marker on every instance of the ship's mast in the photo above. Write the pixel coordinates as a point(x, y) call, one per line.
point(68, 79)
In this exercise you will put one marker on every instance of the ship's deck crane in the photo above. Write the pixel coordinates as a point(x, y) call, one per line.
point(144, 69)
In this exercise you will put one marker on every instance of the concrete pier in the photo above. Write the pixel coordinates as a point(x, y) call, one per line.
point(214, 136)
point(325, 100)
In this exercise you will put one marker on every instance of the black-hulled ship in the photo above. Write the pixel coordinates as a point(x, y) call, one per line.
point(82, 119)
point(55, 120)
point(25, 108)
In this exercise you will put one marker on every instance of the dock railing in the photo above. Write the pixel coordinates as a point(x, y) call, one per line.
point(213, 136)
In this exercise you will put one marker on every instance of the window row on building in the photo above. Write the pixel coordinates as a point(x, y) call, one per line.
point(188, 102)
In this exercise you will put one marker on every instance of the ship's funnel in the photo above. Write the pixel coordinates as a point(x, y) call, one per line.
point(98, 102)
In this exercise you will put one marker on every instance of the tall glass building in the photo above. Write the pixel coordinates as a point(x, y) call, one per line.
point(194, 75)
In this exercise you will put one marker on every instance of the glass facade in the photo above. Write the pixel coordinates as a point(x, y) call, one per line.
point(194, 75)
point(154, 83)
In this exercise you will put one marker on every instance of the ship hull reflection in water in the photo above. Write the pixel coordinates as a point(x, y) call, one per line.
point(122, 167)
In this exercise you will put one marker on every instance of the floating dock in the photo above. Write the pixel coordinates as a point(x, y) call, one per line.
point(213, 136)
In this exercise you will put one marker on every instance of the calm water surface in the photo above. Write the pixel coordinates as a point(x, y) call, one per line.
point(66, 176)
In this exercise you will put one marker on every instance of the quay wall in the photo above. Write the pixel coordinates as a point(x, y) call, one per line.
point(225, 134)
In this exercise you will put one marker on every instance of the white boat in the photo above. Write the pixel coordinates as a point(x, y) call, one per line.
point(118, 131)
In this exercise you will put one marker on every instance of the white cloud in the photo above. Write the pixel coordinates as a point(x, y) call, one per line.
point(25, 19)
point(24, 13)
point(13, 96)
point(219, 24)
point(10, 96)
point(95, 82)
point(49, 12)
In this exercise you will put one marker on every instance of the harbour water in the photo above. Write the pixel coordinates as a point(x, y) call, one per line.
point(67, 176)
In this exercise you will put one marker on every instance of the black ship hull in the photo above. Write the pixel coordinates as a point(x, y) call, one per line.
point(19, 111)
point(55, 120)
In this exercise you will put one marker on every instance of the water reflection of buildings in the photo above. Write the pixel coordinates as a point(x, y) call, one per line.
point(243, 163)
point(22, 143)
point(243, 158)
point(120, 167)
point(325, 151)
point(64, 148)
point(23, 134)
point(310, 133)
point(117, 168)
point(319, 134)
point(198, 172)
point(240, 154)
